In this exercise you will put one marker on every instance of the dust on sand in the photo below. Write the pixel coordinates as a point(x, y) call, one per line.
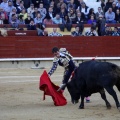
point(21, 99)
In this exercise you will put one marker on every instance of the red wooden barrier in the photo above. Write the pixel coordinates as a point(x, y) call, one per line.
point(38, 47)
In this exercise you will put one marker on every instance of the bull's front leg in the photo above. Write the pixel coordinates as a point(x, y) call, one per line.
point(82, 102)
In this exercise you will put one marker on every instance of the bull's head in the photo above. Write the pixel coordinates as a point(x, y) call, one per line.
point(74, 93)
point(72, 88)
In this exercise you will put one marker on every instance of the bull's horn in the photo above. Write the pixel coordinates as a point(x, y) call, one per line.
point(62, 87)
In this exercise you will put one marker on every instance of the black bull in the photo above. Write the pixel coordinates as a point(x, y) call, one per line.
point(92, 77)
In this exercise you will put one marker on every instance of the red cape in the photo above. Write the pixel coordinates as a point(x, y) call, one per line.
point(50, 89)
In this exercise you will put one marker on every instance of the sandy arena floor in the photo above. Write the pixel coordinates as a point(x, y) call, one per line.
point(21, 99)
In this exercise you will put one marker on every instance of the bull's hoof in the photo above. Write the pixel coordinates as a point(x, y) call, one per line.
point(108, 106)
point(118, 106)
point(81, 107)
point(119, 109)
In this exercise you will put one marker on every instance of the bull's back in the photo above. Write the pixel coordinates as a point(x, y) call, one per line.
point(95, 73)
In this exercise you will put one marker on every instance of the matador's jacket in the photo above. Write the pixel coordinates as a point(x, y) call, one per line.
point(65, 60)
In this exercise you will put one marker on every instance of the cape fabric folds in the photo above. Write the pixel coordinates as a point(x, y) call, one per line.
point(50, 89)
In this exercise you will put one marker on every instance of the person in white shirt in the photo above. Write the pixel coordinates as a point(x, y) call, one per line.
point(54, 33)
point(30, 10)
point(91, 32)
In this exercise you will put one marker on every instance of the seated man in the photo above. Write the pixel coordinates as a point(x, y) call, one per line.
point(77, 32)
point(14, 21)
point(57, 19)
point(31, 26)
point(54, 33)
point(110, 16)
point(91, 32)
point(116, 32)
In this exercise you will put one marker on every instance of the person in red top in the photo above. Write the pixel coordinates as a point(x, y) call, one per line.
point(3, 12)
point(48, 20)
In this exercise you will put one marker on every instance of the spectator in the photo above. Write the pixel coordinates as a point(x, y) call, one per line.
point(3, 19)
point(63, 13)
point(53, 6)
point(91, 20)
point(63, 7)
point(51, 13)
point(61, 3)
point(108, 5)
point(108, 31)
point(42, 9)
point(28, 19)
point(91, 12)
point(13, 12)
point(40, 30)
point(101, 25)
point(46, 3)
point(80, 18)
point(9, 7)
point(114, 7)
point(55, 33)
point(117, 16)
point(17, 3)
point(57, 19)
point(3, 12)
point(91, 32)
point(34, 14)
point(115, 32)
point(48, 20)
point(110, 16)
point(24, 13)
point(99, 12)
point(66, 24)
point(71, 5)
point(118, 4)
point(30, 10)
point(26, 3)
point(39, 19)
point(103, 4)
point(84, 9)
point(31, 26)
point(72, 15)
point(21, 20)
point(14, 21)
point(4, 5)
point(20, 7)
point(77, 32)
point(78, 2)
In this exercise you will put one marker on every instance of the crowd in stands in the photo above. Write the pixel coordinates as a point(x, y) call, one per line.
point(36, 14)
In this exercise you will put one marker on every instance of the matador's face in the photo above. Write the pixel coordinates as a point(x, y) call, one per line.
point(57, 54)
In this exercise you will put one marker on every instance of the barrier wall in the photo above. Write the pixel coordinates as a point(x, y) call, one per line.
point(39, 47)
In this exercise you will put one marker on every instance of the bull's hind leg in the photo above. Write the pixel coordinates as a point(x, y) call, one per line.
point(111, 91)
point(103, 96)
